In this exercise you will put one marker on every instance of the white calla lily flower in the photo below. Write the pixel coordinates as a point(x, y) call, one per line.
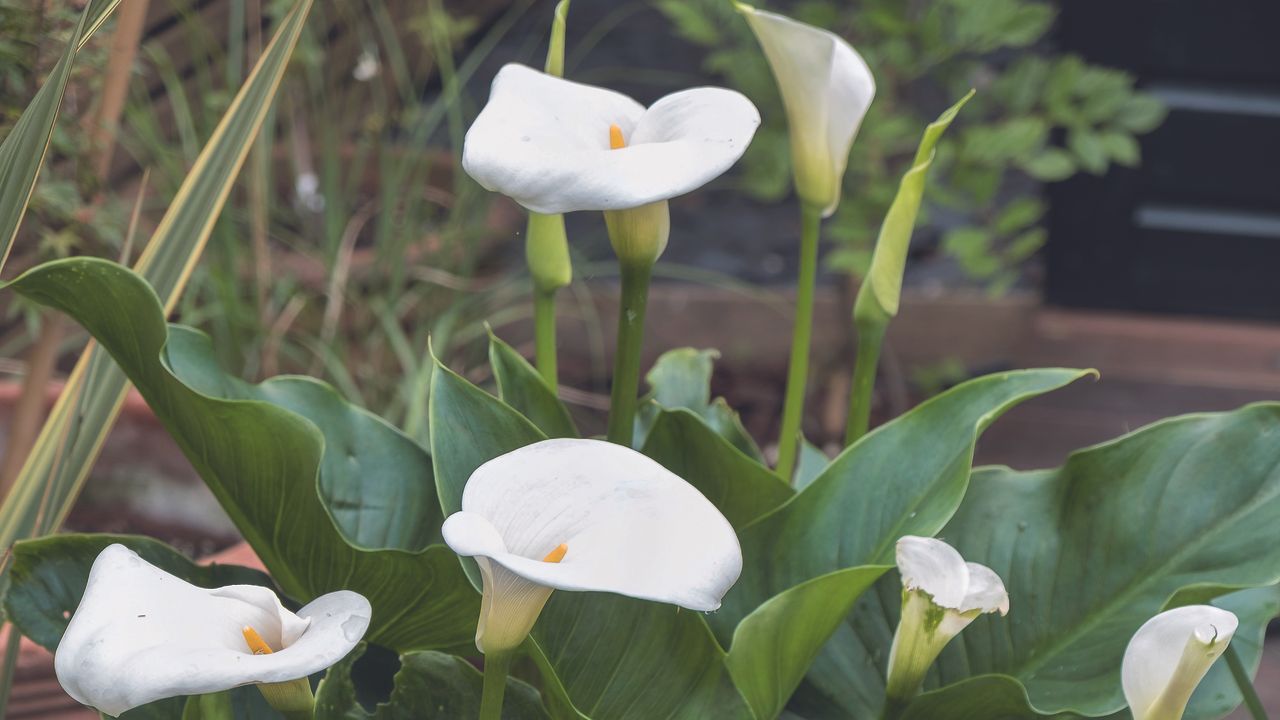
point(1169, 656)
point(941, 595)
point(587, 515)
point(141, 634)
point(557, 146)
point(827, 88)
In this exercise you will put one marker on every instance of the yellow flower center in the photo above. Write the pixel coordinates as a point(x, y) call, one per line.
point(255, 642)
point(558, 554)
point(616, 141)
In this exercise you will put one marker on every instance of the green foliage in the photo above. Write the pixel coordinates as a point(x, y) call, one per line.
point(428, 685)
point(287, 459)
point(924, 50)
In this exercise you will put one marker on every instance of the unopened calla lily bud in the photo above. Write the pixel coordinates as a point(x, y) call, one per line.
point(941, 595)
point(1169, 656)
point(826, 88)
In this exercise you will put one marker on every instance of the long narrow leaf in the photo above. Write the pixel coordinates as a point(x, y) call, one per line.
point(23, 151)
point(78, 425)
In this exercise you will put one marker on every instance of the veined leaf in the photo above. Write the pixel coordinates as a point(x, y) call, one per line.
point(681, 378)
point(521, 387)
point(78, 424)
point(329, 496)
point(1171, 514)
point(23, 151)
point(905, 478)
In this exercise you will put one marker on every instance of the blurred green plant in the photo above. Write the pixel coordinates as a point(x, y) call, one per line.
point(1037, 115)
point(353, 225)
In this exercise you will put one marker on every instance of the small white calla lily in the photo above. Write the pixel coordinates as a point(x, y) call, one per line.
point(141, 634)
point(1169, 656)
point(941, 595)
point(549, 143)
point(826, 88)
point(587, 515)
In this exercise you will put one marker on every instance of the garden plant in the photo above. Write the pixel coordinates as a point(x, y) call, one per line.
point(500, 565)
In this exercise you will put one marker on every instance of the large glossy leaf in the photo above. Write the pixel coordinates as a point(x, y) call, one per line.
point(740, 487)
point(905, 478)
point(613, 657)
point(48, 578)
point(774, 646)
point(521, 387)
point(329, 496)
point(23, 151)
point(1090, 551)
point(681, 378)
point(78, 424)
point(429, 685)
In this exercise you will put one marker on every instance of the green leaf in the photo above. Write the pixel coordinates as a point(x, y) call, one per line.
point(1141, 113)
point(428, 685)
point(78, 424)
point(287, 459)
point(522, 387)
point(1092, 550)
point(811, 463)
point(1121, 147)
point(242, 703)
point(741, 488)
point(48, 578)
point(890, 483)
point(774, 646)
point(681, 378)
point(1051, 165)
point(1089, 150)
point(880, 292)
point(611, 656)
point(23, 151)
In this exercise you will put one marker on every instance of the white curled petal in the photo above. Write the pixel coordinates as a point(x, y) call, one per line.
point(141, 634)
point(469, 535)
point(986, 591)
point(544, 142)
point(631, 526)
point(827, 89)
point(1170, 654)
point(935, 567)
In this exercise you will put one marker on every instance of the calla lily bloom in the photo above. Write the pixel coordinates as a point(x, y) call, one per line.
point(941, 595)
point(141, 634)
point(826, 88)
point(1169, 656)
point(587, 515)
point(557, 146)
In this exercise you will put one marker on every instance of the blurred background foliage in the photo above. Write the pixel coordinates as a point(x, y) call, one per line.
point(1038, 117)
point(353, 236)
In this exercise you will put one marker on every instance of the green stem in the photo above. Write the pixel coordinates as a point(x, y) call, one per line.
point(626, 361)
point(1243, 682)
point(798, 372)
point(496, 665)
point(870, 340)
point(544, 329)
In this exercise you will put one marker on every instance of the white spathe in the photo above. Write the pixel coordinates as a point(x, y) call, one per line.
point(630, 526)
point(544, 142)
point(141, 634)
point(935, 577)
point(1169, 656)
point(826, 88)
